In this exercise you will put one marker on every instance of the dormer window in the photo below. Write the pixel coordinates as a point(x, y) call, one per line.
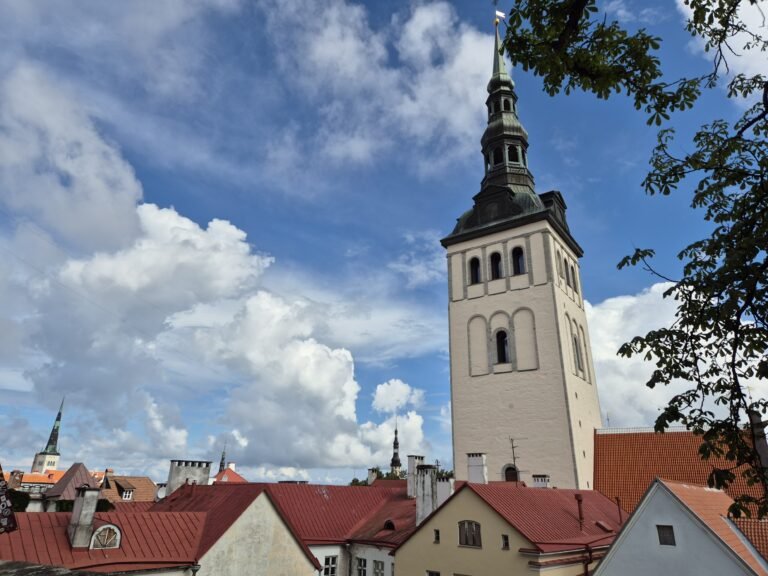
point(106, 537)
point(128, 495)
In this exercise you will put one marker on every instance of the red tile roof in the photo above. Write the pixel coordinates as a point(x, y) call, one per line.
point(148, 540)
point(626, 463)
point(711, 507)
point(76, 476)
point(756, 531)
point(144, 490)
point(47, 477)
point(132, 507)
point(228, 475)
point(549, 518)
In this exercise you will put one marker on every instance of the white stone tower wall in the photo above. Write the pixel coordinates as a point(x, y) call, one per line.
point(533, 401)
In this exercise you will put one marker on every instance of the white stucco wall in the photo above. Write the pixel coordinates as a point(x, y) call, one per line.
point(637, 551)
point(321, 552)
point(257, 544)
point(371, 553)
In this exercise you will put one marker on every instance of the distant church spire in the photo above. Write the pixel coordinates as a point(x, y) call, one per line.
point(48, 458)
point(394, 464)
point(223, 461)
point(53, 440)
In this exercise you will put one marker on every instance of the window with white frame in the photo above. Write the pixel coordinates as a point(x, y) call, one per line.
point(330, 566)
point(362, 567)
point(128, 495)
point(378, 568)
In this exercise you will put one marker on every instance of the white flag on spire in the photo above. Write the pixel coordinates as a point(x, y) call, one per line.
point(500, 15)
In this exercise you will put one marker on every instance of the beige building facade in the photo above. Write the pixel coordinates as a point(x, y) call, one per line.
point(522, 379)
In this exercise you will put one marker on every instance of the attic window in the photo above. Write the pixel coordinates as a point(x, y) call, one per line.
point(128, 495)
point(106, 537)
point(666, 535)
point(469, 534)
point(389, 525)
point(505, 542)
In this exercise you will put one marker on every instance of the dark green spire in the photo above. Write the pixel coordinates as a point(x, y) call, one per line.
point(499, 75)
point(53, 440)
point(223, 461)
point(395, 462)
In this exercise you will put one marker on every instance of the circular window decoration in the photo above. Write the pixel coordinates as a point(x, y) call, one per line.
point(106, 537)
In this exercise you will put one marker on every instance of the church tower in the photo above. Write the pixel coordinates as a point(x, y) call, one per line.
point(522, 381)
point(394, 464)
point(48, 458)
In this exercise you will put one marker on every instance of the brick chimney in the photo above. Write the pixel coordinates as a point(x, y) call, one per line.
point(80, 527)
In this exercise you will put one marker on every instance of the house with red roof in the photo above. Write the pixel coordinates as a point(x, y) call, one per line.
point(680, 528)
point(346, 529)
point(509, 528)
point(223, 533)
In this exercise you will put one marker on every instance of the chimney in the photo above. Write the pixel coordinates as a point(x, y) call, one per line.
point(580, 504)
point(477, 470)
point(541, 480)
point(80, 527)
point(425, 483)
point(413, 462)
point(187, 472)
point(445, 488)
point(372, 475)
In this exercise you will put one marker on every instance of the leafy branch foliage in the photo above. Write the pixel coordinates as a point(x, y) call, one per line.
point(719, 338)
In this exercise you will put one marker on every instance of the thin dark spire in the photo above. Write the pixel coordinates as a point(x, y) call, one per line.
point(53, 440)
point(223, 461)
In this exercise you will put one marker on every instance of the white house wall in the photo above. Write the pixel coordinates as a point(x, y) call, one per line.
point(697, 552)
point(258, 543)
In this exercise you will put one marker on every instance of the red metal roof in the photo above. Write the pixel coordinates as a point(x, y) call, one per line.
point(76, 476)
point(627, 463)
point(549, 517)
point(331, 514)
point(148, 540)
point(711, 507)
point(131, 507)
point(223, 503)
point(228, 475)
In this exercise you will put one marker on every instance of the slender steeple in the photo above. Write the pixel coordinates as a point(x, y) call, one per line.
point(507, 189)
point(53, 440)
point(394, 464)
point(223, 461)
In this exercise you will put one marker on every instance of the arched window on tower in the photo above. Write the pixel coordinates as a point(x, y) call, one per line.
point(518, 261)
point(487, 162)
point(474, 271)
point(510, 474)
point(507, 106)
point(513, 153)
point(498, 156)
point(525, 158)
point(573, 280)
point(559, 265)
point(567, 272)
point(502, 347)
point(495, 266)
point(577, 353)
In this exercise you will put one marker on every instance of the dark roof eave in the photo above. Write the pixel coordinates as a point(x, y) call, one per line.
point(480, 231)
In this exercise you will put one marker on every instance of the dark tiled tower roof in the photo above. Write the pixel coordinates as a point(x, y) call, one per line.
point(53, 440)
point(395, 462)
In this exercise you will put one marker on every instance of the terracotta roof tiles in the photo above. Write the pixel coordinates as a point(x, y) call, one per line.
point(756, 531)
point(144, 490)
point(626, 463)
point(229, 475)
point(711, 507)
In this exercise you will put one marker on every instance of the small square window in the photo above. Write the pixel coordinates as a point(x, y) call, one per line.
point(666, 535)
point(437, 537)
point(504, 542)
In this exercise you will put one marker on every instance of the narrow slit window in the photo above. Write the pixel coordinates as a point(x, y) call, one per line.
point(495, 266)
point(502, 347)
point(567, 272)
point(577, 354)
point(574, 281)
point(518, 261)
point(474, 271)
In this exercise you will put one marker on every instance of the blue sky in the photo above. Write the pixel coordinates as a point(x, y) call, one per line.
point(220, 221)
